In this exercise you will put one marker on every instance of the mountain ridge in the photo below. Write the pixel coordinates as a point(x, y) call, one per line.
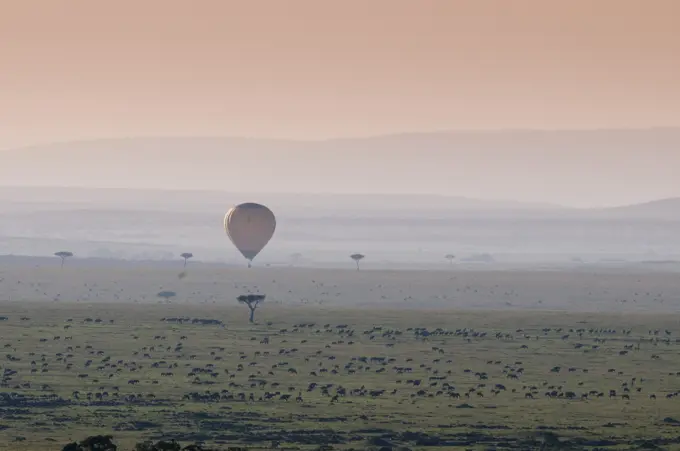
point(464, 132)
point(78, 195)
point(49, 194)
point(594, 167)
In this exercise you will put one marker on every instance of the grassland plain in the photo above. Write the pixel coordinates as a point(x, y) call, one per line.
point(379, 362)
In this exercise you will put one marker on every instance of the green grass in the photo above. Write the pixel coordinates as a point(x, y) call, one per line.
point(500, 418)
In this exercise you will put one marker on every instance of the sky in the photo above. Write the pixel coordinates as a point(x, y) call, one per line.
point(316, 69)
point(310, 69)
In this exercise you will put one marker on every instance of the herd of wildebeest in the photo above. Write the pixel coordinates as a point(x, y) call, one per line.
point(310, 384)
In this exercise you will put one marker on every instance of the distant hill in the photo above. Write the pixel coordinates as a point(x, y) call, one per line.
point(545, 165)
point(78, 198)
point(658, 209)
point(158, 225)
point(108, 200)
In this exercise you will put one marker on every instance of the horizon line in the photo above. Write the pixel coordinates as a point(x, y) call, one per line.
point(545, 205)
point(346, 138)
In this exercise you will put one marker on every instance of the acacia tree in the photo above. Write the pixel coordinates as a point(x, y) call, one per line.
point(357, 258)
point(253, 301)
point(186, 256)
point(450, 258)
point(167, 295)
point(63, 255)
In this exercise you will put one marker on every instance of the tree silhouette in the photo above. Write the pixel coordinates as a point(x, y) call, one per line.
point(357, 258)
point(186, 256)
point(253, 301)
point(63, 255)
point(167, 295)
point(450, 258)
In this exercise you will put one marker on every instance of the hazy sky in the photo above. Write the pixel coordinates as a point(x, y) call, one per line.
point(75, 69)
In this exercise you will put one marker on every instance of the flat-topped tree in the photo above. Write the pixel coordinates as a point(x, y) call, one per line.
point(167, 295)
point(63, 255)
point(253, 301)
point(186, 256)
point(357, 258)
point(450, 258)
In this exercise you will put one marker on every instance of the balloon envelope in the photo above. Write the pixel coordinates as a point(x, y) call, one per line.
point(250, 226)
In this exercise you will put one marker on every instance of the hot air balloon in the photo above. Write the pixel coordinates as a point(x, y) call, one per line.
point(250, 226)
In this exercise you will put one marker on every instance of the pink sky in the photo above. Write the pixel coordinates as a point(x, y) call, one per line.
point(78, 69)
